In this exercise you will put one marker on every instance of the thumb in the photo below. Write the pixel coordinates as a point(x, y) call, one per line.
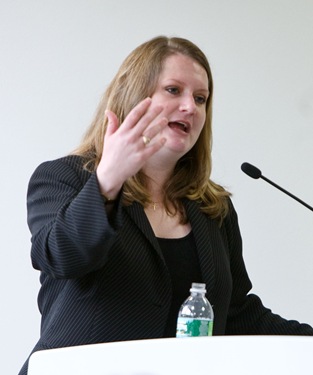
point(112, 122)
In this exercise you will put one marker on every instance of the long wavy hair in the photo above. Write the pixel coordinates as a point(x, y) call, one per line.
point(135, 80)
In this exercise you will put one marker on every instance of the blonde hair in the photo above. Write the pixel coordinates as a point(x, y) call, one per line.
point(135, 80)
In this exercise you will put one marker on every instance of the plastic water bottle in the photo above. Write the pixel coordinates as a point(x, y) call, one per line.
point(195, 317)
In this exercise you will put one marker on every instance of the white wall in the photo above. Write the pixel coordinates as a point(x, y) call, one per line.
point(57, 58)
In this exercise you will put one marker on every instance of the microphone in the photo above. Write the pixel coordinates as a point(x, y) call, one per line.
point(255, 173)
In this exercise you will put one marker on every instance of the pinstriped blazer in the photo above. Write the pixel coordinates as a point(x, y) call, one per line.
point(106, 280)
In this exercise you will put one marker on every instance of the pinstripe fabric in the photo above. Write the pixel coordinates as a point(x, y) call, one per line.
point(107, 280)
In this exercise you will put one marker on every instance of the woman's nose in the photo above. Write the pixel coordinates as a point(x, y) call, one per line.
point(188, 104)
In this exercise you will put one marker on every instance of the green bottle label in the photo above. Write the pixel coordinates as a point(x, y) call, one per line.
point(188, 327)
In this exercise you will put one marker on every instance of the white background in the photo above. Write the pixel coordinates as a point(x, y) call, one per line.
point(56, 58)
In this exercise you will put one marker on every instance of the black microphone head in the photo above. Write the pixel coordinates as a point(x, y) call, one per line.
point(251, 170)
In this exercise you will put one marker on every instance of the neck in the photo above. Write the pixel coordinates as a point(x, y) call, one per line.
point(156, 207)
point(157, 176)
point(158, 173)
point(156, 183)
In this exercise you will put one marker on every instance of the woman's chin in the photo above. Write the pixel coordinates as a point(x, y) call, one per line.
point(177, 146)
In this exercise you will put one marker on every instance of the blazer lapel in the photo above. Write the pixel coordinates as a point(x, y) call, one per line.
point(136, 212)
point(203, 229)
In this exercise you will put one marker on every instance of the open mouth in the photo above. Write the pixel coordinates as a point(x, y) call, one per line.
point(179, 125)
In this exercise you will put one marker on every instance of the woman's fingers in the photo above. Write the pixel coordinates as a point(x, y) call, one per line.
point(136, 114)
point(134, 141)
point(140, 126)
point(151, 131)
point(113, 122)
point(152, 148)
point(141, 116)
point(149, 119)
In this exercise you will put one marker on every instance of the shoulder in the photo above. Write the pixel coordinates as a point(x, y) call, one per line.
point(71, 161)
point(230, 228)
point(231, 217)
point(69, 169)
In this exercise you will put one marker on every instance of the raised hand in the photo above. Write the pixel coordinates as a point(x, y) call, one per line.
point(127, 146)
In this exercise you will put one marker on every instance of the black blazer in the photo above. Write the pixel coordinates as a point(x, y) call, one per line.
point(107, 280)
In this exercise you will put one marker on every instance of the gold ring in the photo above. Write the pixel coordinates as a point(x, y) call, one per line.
point(146, 140)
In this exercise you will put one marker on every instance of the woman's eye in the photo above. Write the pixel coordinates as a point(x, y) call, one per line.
point(200, 99)
point(172, 90)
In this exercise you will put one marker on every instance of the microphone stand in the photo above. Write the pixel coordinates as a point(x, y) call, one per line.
point(286, 192)
point(255, 173)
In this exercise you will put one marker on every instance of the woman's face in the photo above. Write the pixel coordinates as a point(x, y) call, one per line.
point(182, 89)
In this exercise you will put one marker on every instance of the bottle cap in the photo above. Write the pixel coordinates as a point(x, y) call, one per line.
point(198, 288)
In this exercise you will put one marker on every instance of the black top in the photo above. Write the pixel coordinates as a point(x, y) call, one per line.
point(182, 262)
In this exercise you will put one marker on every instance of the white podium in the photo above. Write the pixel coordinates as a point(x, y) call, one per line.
point(244, 355)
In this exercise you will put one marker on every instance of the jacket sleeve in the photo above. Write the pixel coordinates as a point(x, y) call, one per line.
point(71, 232)
point(247, 315)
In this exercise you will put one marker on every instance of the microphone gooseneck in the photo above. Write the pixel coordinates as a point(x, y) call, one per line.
point(255, 173)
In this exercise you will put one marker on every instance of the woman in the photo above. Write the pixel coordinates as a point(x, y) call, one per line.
point(121, 228)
